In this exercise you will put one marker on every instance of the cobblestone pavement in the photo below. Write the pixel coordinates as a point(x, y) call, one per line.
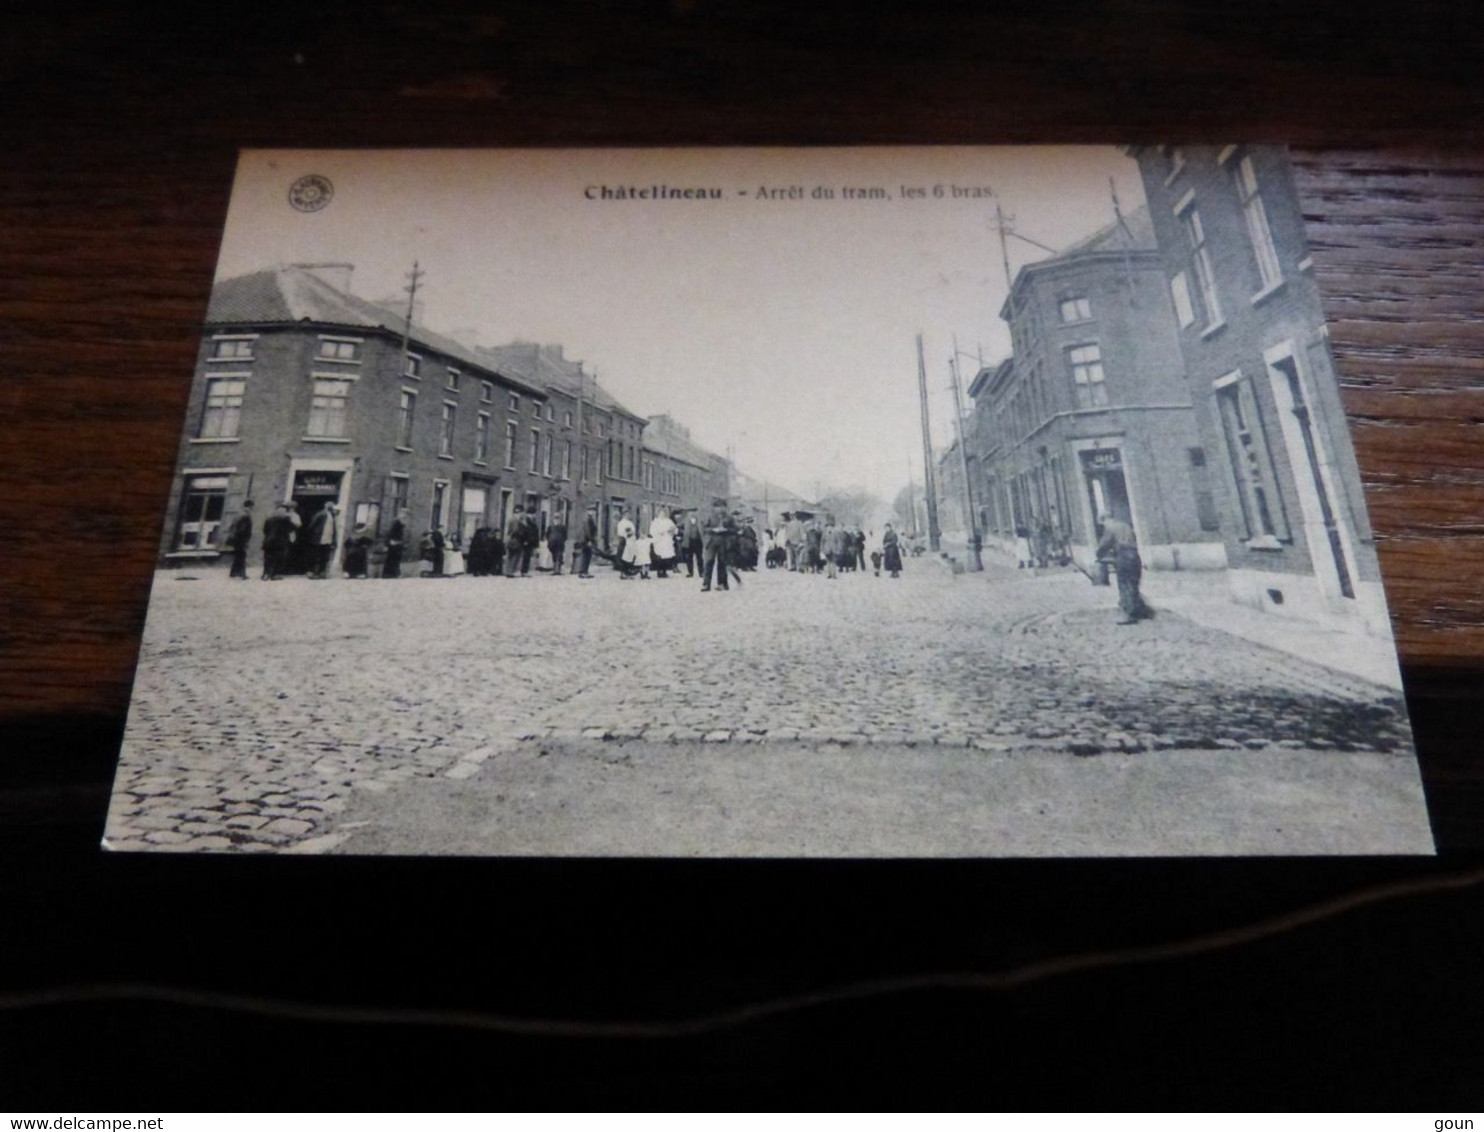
point(262, 709)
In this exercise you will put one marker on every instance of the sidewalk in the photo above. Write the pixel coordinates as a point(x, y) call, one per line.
point(1203, 597)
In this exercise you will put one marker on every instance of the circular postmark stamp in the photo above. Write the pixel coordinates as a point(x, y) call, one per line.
point(311, 192)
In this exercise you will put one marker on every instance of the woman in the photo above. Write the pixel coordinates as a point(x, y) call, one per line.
point(891, 552)
point(662, 543)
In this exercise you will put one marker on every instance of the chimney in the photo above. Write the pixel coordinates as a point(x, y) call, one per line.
point(337, 275)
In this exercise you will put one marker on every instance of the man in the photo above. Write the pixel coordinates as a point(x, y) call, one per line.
point(830, 548)
point(588, 540)
point(278, 536)
point(1119, 544)
point(238, 538)
point(324, 534)
point(794, 538)
point(693, 544)
point(396, 538)
point(530, 538)
point(436, 545)
point(515, 532)
point(556, 542)
point(719, 529)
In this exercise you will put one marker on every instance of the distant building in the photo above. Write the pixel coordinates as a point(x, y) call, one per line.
point(679, 475)
point(589, 442)
point(1092, 413)
point(1251, 330)
point(305, 393)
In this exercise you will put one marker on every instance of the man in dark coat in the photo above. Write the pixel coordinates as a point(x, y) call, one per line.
point(530, 537)
point(278, 536)
point(556, 542)
point(587, 541)
point(692, 544)
point(324, 535)
point(1119, 544)
point(396, 539)
point(238, 538)
point(721, 530)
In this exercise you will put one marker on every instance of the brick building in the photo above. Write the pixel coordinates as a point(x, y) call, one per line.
point(1251, 330)
point(678, 473)
point(305, 392)
point(1092, 411)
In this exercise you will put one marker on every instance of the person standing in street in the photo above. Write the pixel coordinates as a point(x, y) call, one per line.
point(237, 541)
point(1119, 544)
point(694, 541)
point(324, 534)
point(357, 546)
point(436, 545)
point(278, 536)
point(662, 542)
point(556, 542)
point(719, 527)
point(830, 547)
point(623, 553)
point(396, 539)
point(794, 539)
point(515, 532)
point(891, 551)
point(587, 541)
point(530, 538)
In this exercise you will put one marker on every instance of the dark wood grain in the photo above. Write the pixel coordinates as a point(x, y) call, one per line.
point(118, 143)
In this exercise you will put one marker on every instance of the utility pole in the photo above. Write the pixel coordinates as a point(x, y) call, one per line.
point(929, 487)
point(976, 562)
point(911, 500)
point(413, 279)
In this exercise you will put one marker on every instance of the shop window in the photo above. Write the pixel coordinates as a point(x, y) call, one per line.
point(203, 500)
point(1260, 505)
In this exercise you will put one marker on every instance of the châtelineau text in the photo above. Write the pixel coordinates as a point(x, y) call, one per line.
point(790, 192)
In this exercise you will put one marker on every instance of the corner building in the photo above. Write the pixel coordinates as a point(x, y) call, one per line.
point(1251, 329)
point(1092, 412)
point(305, 392)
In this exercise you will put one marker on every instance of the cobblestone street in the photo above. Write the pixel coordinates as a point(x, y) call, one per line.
point(968, 715)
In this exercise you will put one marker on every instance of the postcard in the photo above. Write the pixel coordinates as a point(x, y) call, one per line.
point(962, 502)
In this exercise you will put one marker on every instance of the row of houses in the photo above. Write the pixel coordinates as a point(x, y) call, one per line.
point(1173, 370)
point(306, 392)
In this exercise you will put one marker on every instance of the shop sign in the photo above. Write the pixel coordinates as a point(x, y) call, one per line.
point(1103, 460)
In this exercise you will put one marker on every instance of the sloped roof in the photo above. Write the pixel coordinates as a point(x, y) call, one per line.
point(542, 367)
point(677, 447)
point(1135, 234)
point(296, 294)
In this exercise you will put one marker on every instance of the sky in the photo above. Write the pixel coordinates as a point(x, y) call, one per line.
point(778, 322)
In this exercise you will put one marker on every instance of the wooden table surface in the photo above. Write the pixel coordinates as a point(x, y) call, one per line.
point(119, 137)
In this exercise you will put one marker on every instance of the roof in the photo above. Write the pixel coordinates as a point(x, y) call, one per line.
point(672, 444)
point(545, 366)
point(297, 294)
point(1134, 233)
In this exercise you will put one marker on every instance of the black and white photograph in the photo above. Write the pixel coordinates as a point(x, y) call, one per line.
point(961, 502)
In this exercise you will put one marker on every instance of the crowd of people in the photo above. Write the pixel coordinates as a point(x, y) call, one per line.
point(720, 546)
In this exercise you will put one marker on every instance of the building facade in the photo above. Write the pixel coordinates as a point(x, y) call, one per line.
point(1249, 322)
point(1092, 413)
point(679, 475)
point(304, 392)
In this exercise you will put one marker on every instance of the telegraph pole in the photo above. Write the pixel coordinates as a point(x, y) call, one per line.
point(413, 279)
point(929, 487)
point(976, 562)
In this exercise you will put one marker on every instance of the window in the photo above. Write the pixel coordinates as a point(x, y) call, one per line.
point(445, 431)
point(1195, 235)
point(482, 439)
point(536, 409)
point(586, 470)
point(413, 366)
point(566, 459)
point(1176, 158)
point(546, 456)
point(567, 420)
point(487, 392)
point(1257, 224)
point(339, 350)
point(1087, 376)
point(452, 380)
point(514, 403)
point(404, 420)
point(222, 414)
point(400, 488)
point(1076, 309)
point(510, 431)
point(236, 349)
point(327, 409)
point(535, 449)
point(551, 413)
point(1180, 295)
point(1252, 465)
point(203, 499)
